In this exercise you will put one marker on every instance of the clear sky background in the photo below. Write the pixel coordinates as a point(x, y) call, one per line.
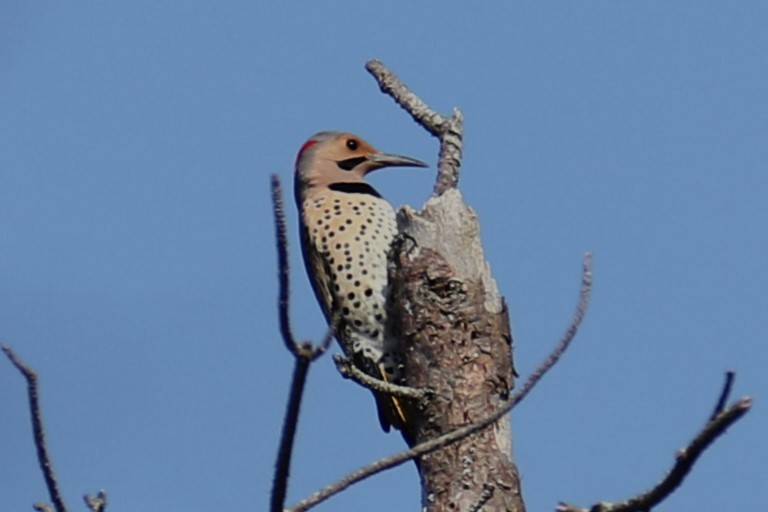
point(137, 268)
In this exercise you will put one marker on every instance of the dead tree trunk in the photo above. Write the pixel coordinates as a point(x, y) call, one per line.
point(455, 329)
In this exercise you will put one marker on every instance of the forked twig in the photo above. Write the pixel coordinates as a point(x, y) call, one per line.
point(449, 130)
point(38, 431)
point(462, 432)
point(724, 394)
point(684, 460)
point(96, 503)
point(304, 354)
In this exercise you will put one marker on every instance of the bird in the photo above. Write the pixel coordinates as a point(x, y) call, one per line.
point(347, 230)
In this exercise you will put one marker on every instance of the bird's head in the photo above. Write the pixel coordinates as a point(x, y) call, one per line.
point(338, 157)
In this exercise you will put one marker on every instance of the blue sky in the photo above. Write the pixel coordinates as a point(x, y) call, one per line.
point(137, 271)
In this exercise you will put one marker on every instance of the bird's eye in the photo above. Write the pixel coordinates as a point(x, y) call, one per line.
point(352, 144)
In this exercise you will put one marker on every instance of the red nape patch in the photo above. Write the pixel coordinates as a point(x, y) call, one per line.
point(305, 147)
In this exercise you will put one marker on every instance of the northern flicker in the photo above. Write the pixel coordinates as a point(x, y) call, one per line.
point(347, 230)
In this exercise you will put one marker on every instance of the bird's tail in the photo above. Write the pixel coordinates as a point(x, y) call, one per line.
point(391, 408)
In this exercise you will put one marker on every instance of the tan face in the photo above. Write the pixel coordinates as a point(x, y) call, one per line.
point(348, 153)
point(336, 157)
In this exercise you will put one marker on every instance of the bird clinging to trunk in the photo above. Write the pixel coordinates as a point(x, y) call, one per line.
point(347, 231)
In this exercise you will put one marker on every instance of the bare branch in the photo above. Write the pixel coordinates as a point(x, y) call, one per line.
point(290, 422)
point(42, 507)
point(562, 346)
point(38, 431)
point(565, 507)
point(684, 461)
point(686, 458)
point(449, 130)
point(399, 458)
point(349, 371)
point(284, 276)
point(394, 461)
point(96, 503)
point(449, 158)
point(724, 394)
point(391, 85)
point(465, 431)
point(304, 354)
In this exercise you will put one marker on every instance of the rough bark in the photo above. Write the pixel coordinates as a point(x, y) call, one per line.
point(454, 326)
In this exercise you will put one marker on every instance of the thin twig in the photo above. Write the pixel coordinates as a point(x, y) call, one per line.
point(304, 354)
point(349, 371)
point(684, 462)
point(570, 333)
point(448, 129)
point(38, 431)
point(687, 457)
point(288, 435)
point(284, 279)
point(397, 459)
point(467, 430)
point(724, 394)
point(284, 276)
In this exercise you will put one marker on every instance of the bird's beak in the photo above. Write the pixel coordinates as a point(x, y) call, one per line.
point(380, 160)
